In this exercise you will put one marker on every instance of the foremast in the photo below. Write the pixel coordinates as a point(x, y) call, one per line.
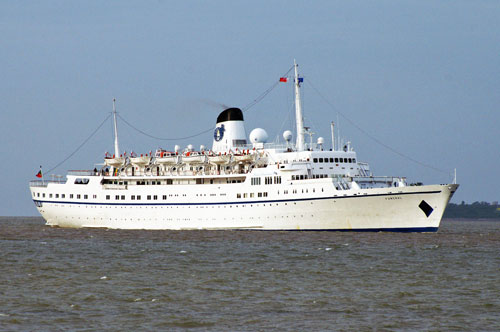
point(117, 148)
point(299, 118)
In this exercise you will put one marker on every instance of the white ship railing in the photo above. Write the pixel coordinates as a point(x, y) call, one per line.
point(82, 172)
point(44, 183)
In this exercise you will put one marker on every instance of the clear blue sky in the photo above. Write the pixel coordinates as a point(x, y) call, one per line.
point(421, 76)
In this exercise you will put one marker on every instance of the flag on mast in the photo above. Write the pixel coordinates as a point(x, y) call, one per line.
point(283, 79)
point(39, 174)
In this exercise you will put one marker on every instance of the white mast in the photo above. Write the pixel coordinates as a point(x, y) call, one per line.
point(298, 112)
point(117, 149)
point(333, 137)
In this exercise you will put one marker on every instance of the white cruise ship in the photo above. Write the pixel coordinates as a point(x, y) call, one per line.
point(242, 184)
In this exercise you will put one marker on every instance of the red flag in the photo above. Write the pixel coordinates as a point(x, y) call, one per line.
point(39, 174)
point(283, 79)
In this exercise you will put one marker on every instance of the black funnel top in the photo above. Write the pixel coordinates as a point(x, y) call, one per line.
point(230, 114)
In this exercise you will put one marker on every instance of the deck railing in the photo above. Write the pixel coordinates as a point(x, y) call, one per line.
point(44, 183)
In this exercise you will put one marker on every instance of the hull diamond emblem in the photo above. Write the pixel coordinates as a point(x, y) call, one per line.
point(424, 206)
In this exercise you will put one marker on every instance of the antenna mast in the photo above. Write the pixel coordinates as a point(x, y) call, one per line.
point(298, 111)
point(117, 149)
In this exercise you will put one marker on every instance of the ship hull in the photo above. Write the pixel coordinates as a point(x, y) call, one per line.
point(407, 209)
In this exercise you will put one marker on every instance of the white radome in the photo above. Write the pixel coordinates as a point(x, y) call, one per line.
point(258, 135)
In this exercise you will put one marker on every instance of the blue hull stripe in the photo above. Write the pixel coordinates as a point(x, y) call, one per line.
point(240, 202)
point(397, 230)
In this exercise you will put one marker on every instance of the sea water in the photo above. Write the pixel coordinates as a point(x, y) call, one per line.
point(56, 279)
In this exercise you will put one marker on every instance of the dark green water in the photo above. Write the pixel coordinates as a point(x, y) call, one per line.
point(55, 279)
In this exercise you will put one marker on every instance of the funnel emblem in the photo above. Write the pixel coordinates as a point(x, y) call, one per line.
point(219, 133)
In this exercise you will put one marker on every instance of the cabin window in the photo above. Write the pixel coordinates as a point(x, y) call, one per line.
point(132, 197)
point(315, 160)
point(320, 160)
point(265, 194)
point(107, 197)
point(78, 196)
point(331, 160)
point(255, 181)
point(70, 195)
point(85, 196)
point(57, 195)
point(164, 197)
point(353, 160)
point(252, 195)
point(259, 195)
point(149, 197)
point(138, 197)
point(81, 181)
point(117, 197)
point(155, 197)
point(336, 160)
point(238, 195)
point(63, 195)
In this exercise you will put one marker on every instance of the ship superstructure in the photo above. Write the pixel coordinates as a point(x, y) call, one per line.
point(241, 184)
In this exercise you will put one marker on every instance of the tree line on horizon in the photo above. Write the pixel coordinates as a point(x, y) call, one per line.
point(476, 210)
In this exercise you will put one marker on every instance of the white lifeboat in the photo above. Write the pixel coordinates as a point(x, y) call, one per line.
point(243, 157)
point(140, 161)
point(193, 158)
point(114, 161)
point(219, 159)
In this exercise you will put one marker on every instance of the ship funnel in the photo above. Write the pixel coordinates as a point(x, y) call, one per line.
point(229, 132)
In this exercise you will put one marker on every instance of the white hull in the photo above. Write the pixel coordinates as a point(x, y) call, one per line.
point(391, 209)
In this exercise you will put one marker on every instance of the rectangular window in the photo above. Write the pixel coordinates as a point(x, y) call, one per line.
point(37, 194)
point(164, 197)
point(50, 195)
point(63, 195)
point(117, 197)
point(331, 160)
point(94, 196)
point(336, 160)
point(78, 196)
point(57, 195)
point(238, 195)
point(138, 197)
point(251, 195)
point(107, 197)
point(320, 160)
point(265, 194)
point(259, 195)
point(132, 197)
point(70, 195)
point(149, 197)
point(315, 160)
point(86, 196)
point(155, 197)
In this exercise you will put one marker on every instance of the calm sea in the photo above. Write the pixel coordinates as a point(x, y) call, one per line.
point(54, 279)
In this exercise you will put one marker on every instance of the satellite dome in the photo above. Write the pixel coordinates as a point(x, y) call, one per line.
point(321, 140)
point(258, 135)
point(287, 135)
